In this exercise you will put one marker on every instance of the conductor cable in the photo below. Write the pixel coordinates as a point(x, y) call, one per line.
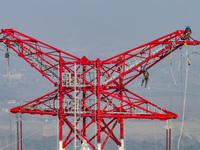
point(183, 115)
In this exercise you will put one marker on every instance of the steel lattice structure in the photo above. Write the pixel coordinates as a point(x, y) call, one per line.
point(93, 92)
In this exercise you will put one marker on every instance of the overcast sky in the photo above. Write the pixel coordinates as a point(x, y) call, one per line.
point(90, 27)
point(104, 28)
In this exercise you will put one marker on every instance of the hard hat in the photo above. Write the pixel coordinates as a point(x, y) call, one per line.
point(187, 27)
point(144, 69)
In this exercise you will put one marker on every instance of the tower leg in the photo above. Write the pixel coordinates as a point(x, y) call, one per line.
point(98, 105)
point(122, 145)
point(98, 136)
point(98, 146)
point(21, 132)
point(60, 144)
point(121, 120)
point(17, 135)
point(170, 135)
point(121, 134)
point(167, 138)
point(61, 111)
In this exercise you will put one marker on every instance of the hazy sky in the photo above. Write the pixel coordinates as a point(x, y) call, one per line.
point(89, 27)
point(105, 28)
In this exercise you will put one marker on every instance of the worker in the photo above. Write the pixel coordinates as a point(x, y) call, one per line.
point(188, 32)
point(145, 77)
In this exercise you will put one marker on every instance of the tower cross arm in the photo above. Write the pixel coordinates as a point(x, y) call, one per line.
point(133, 62)
point(43, 57)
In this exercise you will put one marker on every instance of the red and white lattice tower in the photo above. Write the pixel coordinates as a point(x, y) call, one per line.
point(92, 92)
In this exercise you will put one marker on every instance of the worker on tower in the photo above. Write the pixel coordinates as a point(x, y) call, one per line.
point(188, 32)
point(145, 77)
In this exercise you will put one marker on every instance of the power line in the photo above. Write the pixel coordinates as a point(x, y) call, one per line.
point(39, 130)
point(183, 115)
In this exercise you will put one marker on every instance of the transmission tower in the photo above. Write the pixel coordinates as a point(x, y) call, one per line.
point(92, 93)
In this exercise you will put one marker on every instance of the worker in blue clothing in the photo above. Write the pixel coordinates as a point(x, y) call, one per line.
point(145, 77)
point(188, 32)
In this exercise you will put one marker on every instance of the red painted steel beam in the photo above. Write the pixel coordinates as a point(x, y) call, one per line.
point(100, 84)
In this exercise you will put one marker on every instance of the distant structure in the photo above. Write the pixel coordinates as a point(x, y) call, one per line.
point(90, 97)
